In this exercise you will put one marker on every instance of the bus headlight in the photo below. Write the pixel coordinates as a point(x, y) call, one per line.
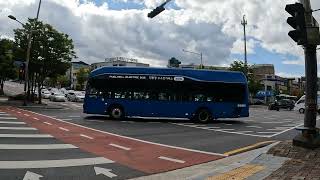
point(241, 105)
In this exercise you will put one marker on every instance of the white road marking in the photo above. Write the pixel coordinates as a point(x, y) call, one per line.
point(5, 114)
point(272, 118)
point(74, 116)
point(85, 136)
point(32, 176)
point(246, 131)
point(226, 129)
point(11, 122)
point(18, 128)
point(286, 130)
point(106, 172)
point(249, 120)
point(272, 122)
point(267, 132)
point(2, 112)
point(19, 112)
point(64, 129)
point(26, 115)
point(171, 159)
point(67, 119)
point(37, 146)
point(228, 124)
point(47, 123)
point(120, 147)
point(25, 136)
point(64, 104)
point(35, 118)
point(213, 127)
point(8, 118)
point(288, 119)
point(134, 139)
point(253, 126)
point(53, 163)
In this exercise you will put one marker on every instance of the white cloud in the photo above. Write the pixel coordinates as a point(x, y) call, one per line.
point(209, 26)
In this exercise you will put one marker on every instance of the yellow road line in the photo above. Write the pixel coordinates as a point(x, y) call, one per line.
point(240, 173)
point(248, 148)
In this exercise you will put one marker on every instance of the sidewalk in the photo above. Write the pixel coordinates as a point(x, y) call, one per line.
point(278, 161)
point(5, 102)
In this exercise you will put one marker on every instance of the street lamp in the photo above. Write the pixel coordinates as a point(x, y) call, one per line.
point(196, 53)
point(28, 53)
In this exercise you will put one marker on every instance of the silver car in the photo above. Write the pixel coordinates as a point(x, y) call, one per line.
point(58, 97)
point(76, 96)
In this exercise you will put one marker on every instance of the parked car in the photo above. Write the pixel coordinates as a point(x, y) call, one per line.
point(282, 104)
point(255, 101)
point(76, 96)
point(58, 97)
point(45, 94)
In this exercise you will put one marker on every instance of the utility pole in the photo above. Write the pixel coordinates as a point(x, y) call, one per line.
point(26, 86)
point(244, 23)
point(307, 34)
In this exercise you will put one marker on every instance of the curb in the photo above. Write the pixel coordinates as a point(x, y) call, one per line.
point(249, 148)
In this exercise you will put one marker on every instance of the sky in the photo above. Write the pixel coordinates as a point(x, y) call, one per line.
point(111, 28)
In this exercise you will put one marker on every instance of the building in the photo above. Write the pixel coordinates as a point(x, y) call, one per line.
point(260, 71)
point(118, 61)
point(72, 72)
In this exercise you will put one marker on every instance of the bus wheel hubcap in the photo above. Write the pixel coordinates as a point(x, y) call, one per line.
point(116, 113)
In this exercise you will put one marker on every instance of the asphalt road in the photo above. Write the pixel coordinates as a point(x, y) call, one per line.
point(67, 144)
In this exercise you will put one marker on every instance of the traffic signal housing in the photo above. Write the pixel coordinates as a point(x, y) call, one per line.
point(22, 71)
point(297, 21)
point(156, 11)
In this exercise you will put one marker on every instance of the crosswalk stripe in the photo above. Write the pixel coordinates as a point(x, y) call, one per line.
point(17, 128)
point(37, 146)
point(25, 136)
point(8, 118)
point(53, 163)
point(11, 122)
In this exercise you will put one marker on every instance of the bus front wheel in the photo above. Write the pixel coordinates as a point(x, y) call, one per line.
point(116, 112)
point(203, 116)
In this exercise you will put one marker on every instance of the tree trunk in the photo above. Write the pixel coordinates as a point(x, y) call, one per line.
point(39, 92)
point(1, 87)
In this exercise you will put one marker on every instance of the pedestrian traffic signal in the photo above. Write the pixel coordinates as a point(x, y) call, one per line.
point(22, 71)
point(297, 21)
point(156, 11)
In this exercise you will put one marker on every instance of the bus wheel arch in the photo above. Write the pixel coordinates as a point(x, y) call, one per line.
point(203, 115)
point(116, 111)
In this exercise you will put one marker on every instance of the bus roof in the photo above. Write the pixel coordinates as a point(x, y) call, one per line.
point(199, 75)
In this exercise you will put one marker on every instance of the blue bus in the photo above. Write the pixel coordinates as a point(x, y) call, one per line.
point(135, 92)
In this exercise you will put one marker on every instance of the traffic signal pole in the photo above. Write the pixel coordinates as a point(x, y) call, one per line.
point(309, 138)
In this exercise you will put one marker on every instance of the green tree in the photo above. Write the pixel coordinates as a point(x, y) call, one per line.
point(174, 62)
point(253, 85)
point(63, 80)
point(7, 68)
point(82, 77)
point(51, 51)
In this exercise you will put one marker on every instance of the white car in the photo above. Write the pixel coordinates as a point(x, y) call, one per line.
point(58, 97)
point(300, 105)
point(76, 96)
point(45, 94)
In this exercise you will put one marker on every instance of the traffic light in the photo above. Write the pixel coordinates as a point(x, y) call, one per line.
point(297, 21)
point(156, 11)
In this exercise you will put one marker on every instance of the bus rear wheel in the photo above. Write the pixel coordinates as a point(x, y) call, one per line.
point(116, 112)
point(203, 116)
